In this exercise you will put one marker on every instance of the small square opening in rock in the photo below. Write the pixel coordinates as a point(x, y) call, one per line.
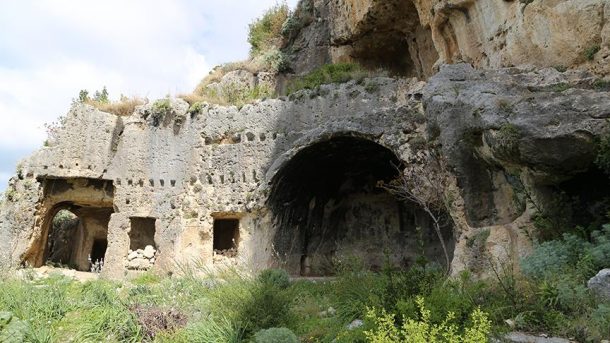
point(226, 234)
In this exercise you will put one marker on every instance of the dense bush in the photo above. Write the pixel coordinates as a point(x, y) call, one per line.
point(275, 335)
point(275, 278)
point(570, 254)
point(269, 307)
point(266, 32)
point(423, 330)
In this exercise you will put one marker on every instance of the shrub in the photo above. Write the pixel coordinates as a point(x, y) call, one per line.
point(601, 85)
point(276, 61)
point(329, 73)
point(275, 278)
point(61, 218)
point(265, 33)
point(159, 110)
point(570, 253)
point(423, 330)
point(275, 335)
point(195, 108)
point(269, 307)
point(591, 51)
point(13, 330)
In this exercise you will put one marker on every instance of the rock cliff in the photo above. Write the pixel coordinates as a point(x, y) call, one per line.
point(295, 181)
point(414, 37)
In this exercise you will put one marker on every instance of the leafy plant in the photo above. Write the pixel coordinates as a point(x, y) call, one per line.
point(423, 331)
point(159, 110)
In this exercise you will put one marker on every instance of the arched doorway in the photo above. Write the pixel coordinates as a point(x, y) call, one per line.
point(328, 208)
point(76, 237)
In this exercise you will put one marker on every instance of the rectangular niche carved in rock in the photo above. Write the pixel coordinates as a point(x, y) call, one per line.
point(142, 233)
point(142, 248)
point(226, 236)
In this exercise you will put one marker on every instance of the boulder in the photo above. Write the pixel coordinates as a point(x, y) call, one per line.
point(149, 252)
point(132, 255)
point(600, 283)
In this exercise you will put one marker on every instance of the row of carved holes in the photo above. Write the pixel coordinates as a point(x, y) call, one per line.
point(151, 182)
point(61, 166)
point(249, 136)
point(232, 178)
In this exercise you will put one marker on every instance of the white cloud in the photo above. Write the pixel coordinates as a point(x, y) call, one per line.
point(53, 48)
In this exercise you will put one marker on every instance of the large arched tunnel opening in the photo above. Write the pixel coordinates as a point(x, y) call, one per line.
point(328, 209)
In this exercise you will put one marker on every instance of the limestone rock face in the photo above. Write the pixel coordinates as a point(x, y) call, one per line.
point(510, 136)
point(414, 37)
point(189, 184)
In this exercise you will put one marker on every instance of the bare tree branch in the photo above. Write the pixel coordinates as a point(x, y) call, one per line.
point(423, 184)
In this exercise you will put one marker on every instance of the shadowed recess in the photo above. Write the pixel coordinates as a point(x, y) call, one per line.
point(327, 207)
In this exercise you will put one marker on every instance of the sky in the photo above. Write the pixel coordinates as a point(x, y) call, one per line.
point(51, 49)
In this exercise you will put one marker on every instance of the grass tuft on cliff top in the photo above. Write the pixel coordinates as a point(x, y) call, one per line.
point(123, 107)
point(327, 74)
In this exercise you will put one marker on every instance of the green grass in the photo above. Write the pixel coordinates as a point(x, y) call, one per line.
point(329, 73)
point(233, 307)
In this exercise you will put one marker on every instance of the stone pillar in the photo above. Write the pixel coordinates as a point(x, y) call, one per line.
point(118, 246)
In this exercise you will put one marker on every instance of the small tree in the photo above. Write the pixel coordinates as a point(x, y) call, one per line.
point(424, 184)
point(101, 97)
point(83, 96)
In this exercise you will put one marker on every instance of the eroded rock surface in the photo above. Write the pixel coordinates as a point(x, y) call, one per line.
point(511, 136)
point(414, 37)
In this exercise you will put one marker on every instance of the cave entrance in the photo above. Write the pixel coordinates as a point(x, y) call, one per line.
point(582, 201)
point(77, 237)
point(328, 209)
point(392, 38)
